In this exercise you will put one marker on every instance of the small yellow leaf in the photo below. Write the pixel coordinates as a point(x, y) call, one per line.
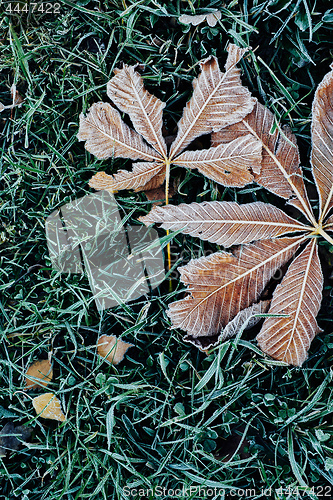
point(41, 370)
point(112, 349)
point(48, 406)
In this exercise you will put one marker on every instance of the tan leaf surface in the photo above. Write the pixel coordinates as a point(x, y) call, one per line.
point(245, 319)
point(39, 374)
point(218, 100)
point(298, 296)
point(127, 92)
point(223, 283)
point(322, 141)
point(107, 136)
point(328, 226)
point(280, 155)
point(143, 174)
point(48, 406)
point(228, 164)
point(225, 223)
point(154, 183)
point(211, 18)
point(112, 348)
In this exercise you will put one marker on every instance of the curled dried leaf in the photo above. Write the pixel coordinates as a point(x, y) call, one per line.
point(12, 437)
point(245, 319)
point(322, 142)
point(112, 349)
point(228, 164)
point(143, 174)
point(127, 91)
point(224, 283)
point(218, 100)
point(280, 172)
point(107, 136)
point(297, 299)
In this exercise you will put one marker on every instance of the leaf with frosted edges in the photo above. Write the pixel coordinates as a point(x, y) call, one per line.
point(225, 223)
point(298, 296)
point(107, 136)
point(48, 406)
point(223, 283)
point(143, 174)
point(328, 226)
point(155, 183)
point(244, 320)
point(112, 348)
point(211, 18)
point(228, 164)
point(280, 155)
point(127, 91)
point(218, 100)
point(322, 141)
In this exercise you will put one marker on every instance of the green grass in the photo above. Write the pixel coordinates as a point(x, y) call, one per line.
point(169, 415)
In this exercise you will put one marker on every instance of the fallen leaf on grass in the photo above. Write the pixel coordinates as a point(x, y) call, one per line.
point(16, 96)
point(48, 406)
point(211, 18)
point(17, 99)
point(11, 437)
point(225, 283)
point(218, 100)
point(39, 374)
point(112, 349)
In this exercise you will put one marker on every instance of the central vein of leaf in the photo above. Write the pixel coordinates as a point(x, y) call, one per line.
point(167, 179)
point(285, 174)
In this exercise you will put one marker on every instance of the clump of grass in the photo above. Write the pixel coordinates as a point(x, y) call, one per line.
point(169, 415)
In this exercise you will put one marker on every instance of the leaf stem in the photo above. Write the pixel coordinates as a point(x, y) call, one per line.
point(323, 234)
point(167, 181)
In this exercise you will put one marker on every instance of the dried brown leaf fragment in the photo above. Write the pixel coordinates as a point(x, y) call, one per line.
point(39, 374)
point(12, 437)
point(48, 406)
point(112, 349)
point(211, 18)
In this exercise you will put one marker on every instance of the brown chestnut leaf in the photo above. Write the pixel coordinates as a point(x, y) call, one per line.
point(223, 284)
point(218, 100)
